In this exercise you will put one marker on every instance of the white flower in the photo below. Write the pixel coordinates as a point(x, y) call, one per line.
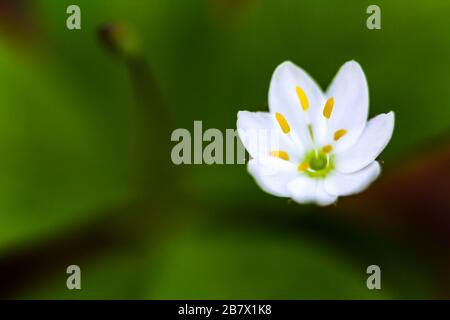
point(321, 146)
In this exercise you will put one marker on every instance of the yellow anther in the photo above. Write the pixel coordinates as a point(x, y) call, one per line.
point(282, 122)
point(339, 134)
point(280, 154)
point(328, 108)
point(303, 166)
point(303, 98)
point(327, 149)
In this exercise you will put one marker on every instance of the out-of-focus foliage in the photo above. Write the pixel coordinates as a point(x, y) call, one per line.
point(70, 143)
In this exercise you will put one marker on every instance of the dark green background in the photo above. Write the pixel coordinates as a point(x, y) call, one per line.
point(78, 134)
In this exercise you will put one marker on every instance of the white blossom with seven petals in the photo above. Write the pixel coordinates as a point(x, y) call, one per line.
point(321, 146)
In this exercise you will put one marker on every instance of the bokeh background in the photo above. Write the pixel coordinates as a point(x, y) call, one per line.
point(85, 170)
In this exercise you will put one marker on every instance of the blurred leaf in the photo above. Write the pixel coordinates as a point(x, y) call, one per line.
point(112, 276)
point(58, 165)
point(257, 266)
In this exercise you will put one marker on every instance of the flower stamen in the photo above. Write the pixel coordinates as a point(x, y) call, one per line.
point(328, 108)
point(303, 166)
point(302, 97)
point(311, 134)
point(339, 134)
point(280, 154)
point(284, 125)
point(327, 149)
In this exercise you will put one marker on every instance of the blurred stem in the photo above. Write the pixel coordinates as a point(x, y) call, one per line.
point(154, 126)
point(157, 188)
point(154, 173)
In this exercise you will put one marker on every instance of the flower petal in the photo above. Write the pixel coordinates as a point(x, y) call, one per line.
point(344, 184)
point(323, 198)
point(284, 97)
point(373, 140)
point(351, 104)
point(303, 189)
point(273, 174)
point(260, 136)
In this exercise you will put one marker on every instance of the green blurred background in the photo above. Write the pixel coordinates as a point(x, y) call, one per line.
point(85, 170)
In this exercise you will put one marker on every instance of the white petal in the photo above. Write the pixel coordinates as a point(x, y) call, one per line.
point(273, 174)
point(351, 104)
point(373, 140)
point(283, 97)
point(260, 136)
point(303, 189)
point(323, 198)
point(343, 184)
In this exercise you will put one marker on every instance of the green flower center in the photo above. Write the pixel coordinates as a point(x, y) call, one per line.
point(317, 164)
